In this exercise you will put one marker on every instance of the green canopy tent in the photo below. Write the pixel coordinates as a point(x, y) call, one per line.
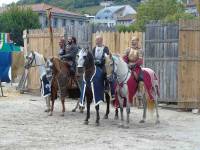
point(6, 48)
point(6, 45)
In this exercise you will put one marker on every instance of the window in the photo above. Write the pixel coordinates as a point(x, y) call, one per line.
point(72, 22)
point(81, 22)
point(55, 22)
point(64, 22)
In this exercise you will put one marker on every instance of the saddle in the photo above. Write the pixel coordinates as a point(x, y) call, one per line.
point(140, 74)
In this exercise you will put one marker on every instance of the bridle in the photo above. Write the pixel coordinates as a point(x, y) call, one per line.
point(115, 76)
point(29, 64)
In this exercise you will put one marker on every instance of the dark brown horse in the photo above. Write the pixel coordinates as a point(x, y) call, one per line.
point(62, 82)
point(86, 65)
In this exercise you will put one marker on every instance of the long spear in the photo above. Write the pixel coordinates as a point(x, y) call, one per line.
point(50, 28)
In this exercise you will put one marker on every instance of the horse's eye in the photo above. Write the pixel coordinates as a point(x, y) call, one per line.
point(84, 57)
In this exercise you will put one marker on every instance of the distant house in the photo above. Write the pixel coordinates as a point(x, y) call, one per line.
point(60, 17)
point(191, 7)
point(113, 15)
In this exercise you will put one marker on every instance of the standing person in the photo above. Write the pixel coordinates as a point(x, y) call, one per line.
point(99, 52)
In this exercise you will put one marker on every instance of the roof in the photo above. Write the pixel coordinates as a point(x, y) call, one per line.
point(43, 7)
point(108, 12)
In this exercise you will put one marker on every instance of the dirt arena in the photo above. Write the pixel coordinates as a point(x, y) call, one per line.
point(25, 126)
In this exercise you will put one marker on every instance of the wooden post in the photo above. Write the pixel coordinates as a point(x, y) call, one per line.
point(49, 14)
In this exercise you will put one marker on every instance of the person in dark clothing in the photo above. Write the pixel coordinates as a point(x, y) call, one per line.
point(70, 53)
point(99, 52)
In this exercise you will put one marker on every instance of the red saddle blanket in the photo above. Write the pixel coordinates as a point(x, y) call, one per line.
point(149, 77)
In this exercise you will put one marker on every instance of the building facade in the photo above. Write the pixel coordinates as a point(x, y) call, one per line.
point(60, 17)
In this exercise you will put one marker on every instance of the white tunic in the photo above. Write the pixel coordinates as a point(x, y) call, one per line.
point(99, 52)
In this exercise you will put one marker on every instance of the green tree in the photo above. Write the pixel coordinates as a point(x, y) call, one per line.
point(16, 19)
point(164, 10)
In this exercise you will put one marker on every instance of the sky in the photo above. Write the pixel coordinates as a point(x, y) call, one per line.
point(7, 1)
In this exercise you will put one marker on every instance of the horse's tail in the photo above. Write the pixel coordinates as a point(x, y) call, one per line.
point(156, 91)
point(151, 105)
point(156, 84)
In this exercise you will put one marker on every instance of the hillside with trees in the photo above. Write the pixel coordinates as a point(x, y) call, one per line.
point(80, 6)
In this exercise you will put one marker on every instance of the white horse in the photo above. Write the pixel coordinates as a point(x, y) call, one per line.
point(34, 59)
point(116, 65)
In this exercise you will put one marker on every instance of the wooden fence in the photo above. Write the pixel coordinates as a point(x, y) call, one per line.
point(39, 40)
point(116, 41)
point(161, 54)
point(189, 64)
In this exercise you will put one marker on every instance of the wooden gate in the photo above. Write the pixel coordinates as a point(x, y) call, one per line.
point(161, 55)
point(189, 64)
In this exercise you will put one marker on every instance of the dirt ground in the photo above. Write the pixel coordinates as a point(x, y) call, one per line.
point(25, 126)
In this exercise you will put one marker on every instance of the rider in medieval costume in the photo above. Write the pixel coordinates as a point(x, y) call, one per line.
point(70, 52)
point(134, 58)
point(99, 52)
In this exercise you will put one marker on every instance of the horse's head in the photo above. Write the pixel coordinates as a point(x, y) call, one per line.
point(29, 60)
point(54, 64)
point(84, 60)
point(111, 64)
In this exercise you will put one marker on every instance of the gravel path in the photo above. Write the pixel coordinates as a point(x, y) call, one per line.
point(25, 126)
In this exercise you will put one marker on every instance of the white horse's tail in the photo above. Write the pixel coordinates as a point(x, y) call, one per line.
point(156, 85)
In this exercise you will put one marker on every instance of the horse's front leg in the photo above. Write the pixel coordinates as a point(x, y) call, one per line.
point(52, 107)
point(63, 106)
point(47, 99)
point(88, 112)
point(77, 104)
point(97, 113)
point(116, 114)
point(121, 111)
point(108, 105)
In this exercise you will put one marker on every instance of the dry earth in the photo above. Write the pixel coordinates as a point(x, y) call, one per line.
point(25, 126)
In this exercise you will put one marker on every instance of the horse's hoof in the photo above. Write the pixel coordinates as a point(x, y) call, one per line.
point(157, 121)
point(73, 110)
point(81, 111)
point(106, 117)
point(50, 114)
point(116, 118)
point(86, 122)
point(97, 124)
point(125, 127)
point(47, 110)
point(62, 115)
point(142, 121)
point(121, 126)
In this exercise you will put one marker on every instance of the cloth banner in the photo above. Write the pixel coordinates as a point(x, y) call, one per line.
point(5, 66)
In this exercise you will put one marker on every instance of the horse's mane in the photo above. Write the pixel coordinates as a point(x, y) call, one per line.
point(58, 64)
point(40, 57)
point(90, 59)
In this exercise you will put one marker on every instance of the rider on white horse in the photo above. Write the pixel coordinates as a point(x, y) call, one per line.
point(134, 58)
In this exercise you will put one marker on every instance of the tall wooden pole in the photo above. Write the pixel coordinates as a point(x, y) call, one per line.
point(49, 14)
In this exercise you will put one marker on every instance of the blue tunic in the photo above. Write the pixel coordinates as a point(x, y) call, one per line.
point(96, 83)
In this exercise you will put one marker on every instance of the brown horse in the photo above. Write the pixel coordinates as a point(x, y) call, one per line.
point(92, 84)
point(62, 81)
